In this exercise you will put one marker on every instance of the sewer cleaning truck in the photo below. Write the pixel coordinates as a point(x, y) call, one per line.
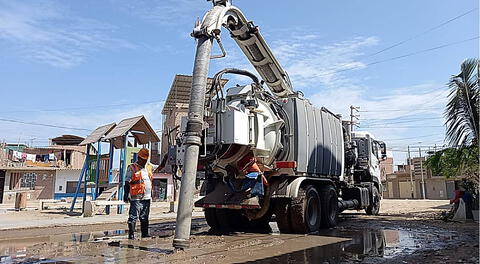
point(269, 152)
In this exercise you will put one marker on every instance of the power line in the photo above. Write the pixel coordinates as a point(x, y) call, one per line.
point(42, 124)
point(392, 58)
point(423, 136)
point(402, 121)
point(423, 51)
point(401, 110)
point(399, 117)
point(399, 126)
point(81, 107)
point(422, 33)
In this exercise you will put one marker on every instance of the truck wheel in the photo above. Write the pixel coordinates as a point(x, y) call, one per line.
point(329, 201)
point(211, 217)
point(374, 208)
point(223, 219)
point(305, 212)
point(282, 216)
point(262, 225)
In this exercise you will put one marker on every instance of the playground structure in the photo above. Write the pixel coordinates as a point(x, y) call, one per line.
point(96, 175)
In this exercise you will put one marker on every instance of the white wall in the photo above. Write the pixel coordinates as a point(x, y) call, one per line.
point(63, 176)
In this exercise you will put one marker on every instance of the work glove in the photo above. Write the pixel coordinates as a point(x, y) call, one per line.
point(126, 192)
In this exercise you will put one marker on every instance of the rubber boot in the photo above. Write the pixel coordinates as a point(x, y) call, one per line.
point(131, 230)
point(144, 228)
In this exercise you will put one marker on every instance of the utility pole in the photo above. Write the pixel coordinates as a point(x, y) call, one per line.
point(353, 116)
point(421, 171)
point(192, 140)
point(409, 162)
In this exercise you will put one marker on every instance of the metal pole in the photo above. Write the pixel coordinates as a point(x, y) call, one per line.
point(87, 160)
point(410, 171)
point(421, 171)
point(110, 162)
point(97, 172)
point(192, 142)
point(85, 164)
point(351, 118)
point(123, 171)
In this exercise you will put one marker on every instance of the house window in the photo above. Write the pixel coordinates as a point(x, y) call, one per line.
point(28, 180)
point(60, 187)
point(72, 187)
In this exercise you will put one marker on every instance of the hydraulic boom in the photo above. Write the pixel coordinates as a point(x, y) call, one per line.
point(250, 41)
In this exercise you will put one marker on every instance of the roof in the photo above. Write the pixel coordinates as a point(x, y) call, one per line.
point(97, 134)
point(135, 124)
point(179, 95)
point(67, 140)
point(54, 149)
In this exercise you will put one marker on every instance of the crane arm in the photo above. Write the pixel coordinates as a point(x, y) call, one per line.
point(250, 41)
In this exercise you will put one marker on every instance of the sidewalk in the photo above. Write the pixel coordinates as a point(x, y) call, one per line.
point(57, 218)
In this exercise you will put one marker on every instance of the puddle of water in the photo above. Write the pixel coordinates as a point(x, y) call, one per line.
point(365, 244)
point(23, 250)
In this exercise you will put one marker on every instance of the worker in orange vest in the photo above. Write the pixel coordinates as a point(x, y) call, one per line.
point(138, 191)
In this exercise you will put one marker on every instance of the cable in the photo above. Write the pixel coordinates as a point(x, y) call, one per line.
point(395, 139)
point(80, 107)
point(41, 124)
point(391, 59)
point(400, 122)
point(398, 126)
point(400, 110)
point(400, 117)
point(422, 33)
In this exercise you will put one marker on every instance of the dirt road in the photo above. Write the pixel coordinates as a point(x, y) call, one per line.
point(404, 232)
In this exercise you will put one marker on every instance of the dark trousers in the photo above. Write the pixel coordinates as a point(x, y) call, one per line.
point(139, 209)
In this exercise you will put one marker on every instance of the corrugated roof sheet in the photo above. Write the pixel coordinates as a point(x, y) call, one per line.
point(97, 134)
point(179, 95)
point(138, 123)
point(67, 140)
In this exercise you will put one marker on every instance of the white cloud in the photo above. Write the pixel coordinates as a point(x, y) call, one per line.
point(311, 62)
point(168, 12)
point(50, 34)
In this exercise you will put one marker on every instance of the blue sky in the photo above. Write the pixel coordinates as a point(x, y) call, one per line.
point(94, 62)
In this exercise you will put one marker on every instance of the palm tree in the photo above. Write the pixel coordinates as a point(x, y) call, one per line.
point(462, 109)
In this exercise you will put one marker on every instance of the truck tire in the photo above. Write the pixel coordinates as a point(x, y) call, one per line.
point(282, 216)
point(262, 225)
point(329, 202)
point(374, 208)
point(211, 217)
point(305, 210)
point(223, 219)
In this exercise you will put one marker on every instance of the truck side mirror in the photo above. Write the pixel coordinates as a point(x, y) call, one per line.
point(383, 149)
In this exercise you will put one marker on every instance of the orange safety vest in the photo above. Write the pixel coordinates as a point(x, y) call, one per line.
point(137, 185)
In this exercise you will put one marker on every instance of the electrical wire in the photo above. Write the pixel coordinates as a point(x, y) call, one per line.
point(392, 58)
point(80, 107)
point(42, 124)
point(397, 126)
point(400, 110)
point(423, 136)
point(421, 33)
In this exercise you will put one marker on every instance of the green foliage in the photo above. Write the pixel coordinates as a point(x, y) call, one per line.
point(456, 162)
point(462, 111)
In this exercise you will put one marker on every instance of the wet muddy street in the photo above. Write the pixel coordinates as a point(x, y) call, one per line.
point(388, 238)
